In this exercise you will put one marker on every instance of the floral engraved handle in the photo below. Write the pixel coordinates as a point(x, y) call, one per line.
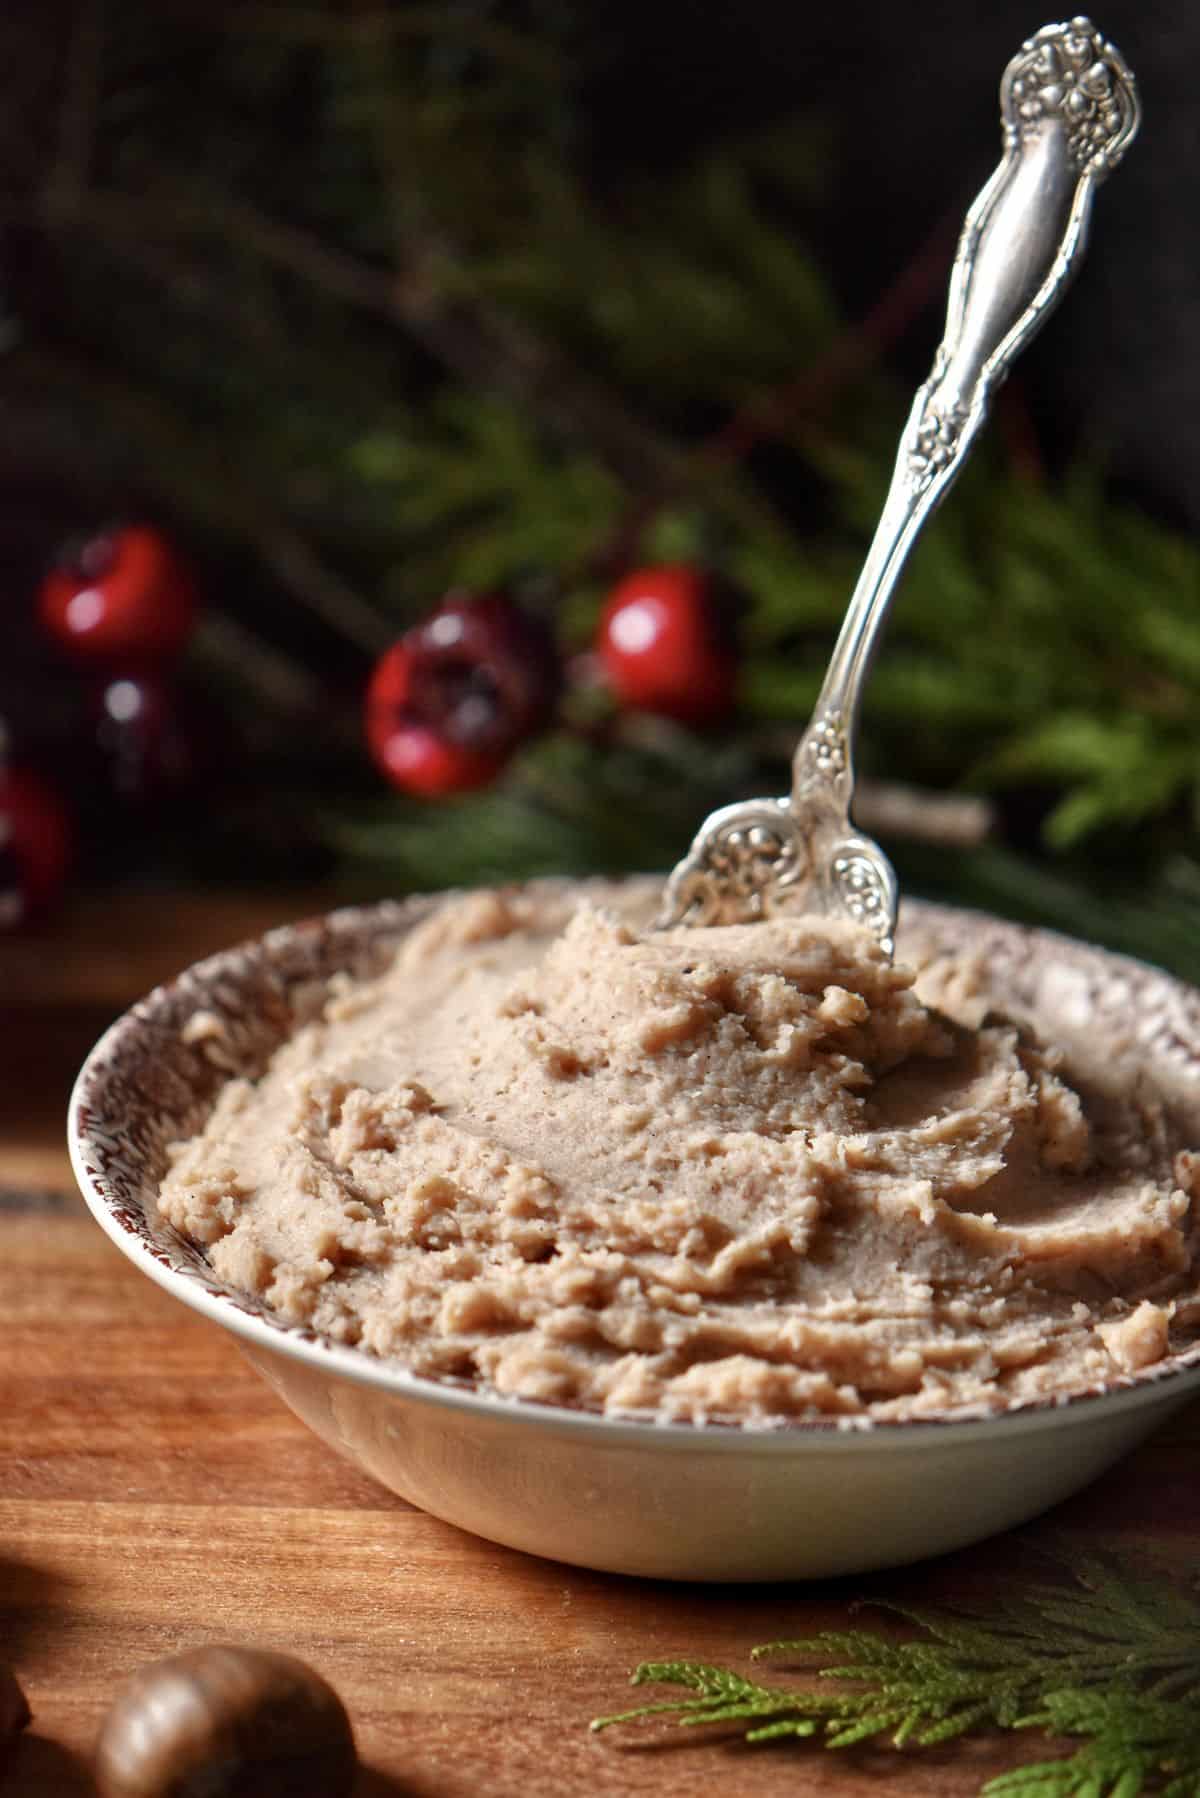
point(1070, 74)
point(1069, 111)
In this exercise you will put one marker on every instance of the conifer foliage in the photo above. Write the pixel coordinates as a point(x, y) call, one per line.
point(1109, 1653)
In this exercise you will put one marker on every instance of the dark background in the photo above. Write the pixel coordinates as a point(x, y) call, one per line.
point(898, 103)
point(907, 92)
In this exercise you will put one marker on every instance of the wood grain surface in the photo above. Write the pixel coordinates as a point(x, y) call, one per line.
point(154, 1495)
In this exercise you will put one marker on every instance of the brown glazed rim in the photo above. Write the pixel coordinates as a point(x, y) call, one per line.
point(143, 1086)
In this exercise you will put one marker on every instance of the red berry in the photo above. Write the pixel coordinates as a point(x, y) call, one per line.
point(666, 644)
point(417, 759)
point(124, 597)
point(495, 643)
point(451, 700)
point(35, 843)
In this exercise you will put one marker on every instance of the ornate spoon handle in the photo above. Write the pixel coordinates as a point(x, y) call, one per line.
point(1069, 109)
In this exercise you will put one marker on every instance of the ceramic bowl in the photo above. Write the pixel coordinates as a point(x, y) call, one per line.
point(675, 1501)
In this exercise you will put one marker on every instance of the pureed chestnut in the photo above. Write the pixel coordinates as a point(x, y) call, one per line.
point(744, 1173)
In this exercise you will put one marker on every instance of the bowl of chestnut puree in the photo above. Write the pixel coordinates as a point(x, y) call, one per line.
point(728, 1253)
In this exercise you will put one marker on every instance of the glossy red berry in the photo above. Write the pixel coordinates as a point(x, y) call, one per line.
point(35, 844)
point(449, 703)
point(496, 644)
point(419, 761)
point(125, 597)
point(666, 644)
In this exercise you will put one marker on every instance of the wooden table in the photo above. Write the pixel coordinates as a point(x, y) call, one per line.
point(154, 1495)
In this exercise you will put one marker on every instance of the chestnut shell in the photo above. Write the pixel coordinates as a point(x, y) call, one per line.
point(226, 1722)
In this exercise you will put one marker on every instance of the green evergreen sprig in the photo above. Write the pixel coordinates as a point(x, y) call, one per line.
point(1135, 1743)
point(1110, 1654)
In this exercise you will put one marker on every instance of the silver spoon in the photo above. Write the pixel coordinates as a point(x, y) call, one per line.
point(1070, 110)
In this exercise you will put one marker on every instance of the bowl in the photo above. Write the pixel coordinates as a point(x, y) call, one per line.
point(673, 1501)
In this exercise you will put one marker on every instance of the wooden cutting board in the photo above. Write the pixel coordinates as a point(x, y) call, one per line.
point(154, 1495)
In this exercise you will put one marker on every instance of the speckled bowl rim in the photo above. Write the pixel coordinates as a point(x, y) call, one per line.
point(110, 1128)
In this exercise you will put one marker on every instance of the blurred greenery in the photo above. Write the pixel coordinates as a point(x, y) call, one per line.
point(343, 294)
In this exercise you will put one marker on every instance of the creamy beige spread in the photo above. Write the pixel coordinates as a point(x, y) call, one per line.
point(750, 1172)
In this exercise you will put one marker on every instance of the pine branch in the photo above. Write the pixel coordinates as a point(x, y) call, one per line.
point(721, 1697)
point(1137, 1743)
point(427, 296)
point(1110, 1655)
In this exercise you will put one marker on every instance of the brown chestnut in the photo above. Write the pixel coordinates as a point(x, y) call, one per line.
point(226, 1722)
point(14, 1710)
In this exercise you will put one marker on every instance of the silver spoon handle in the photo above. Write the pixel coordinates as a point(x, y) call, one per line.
point(1069, 108)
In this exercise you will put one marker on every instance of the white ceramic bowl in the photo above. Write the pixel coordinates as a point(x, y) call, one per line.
point(673, 1501)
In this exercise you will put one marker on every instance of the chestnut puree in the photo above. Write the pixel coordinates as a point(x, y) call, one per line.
point(751, 1172)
